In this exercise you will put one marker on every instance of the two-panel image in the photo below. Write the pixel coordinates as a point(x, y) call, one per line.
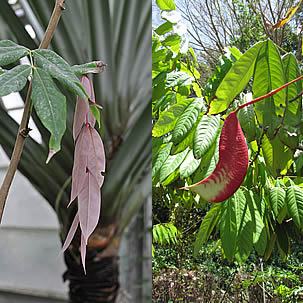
point(151, 151)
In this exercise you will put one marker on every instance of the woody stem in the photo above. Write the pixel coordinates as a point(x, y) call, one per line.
point(23, 128)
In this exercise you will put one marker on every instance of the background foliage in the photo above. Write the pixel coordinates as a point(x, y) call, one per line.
point(264, 217)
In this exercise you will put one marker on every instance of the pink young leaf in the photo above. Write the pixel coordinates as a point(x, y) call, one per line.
point(71, 232)
point(96, 159)
point(83, 252)
point(89, 204)
point(80, 162)
point(82, 113)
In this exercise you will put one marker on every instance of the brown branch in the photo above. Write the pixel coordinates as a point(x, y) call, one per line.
point(23, 128)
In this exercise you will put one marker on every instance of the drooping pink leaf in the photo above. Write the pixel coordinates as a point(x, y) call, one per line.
point(96, 160)
point(82, 113)
point(83, 252)
point(71, 232)
point(82, 151)
point(89, 204)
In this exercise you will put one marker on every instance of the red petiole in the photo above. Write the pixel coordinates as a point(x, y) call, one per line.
point(271, 93)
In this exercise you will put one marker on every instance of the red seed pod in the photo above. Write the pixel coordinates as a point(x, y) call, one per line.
point(232, 166)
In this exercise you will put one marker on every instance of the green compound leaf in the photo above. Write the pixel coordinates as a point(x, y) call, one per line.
point(189, 165)
point(158, 160)
point(207, 226)
point(166, 5)
point(206, 134)
point(59, 69)
point(168, 118)
point(11, 52)
point(50, 106)
point(187, 120)
point(171, 164)
point(294, 200)
point(14, 80)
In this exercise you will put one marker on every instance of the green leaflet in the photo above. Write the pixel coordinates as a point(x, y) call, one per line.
point(245, 228)
point(94, 67)
point(268, 75)
point(165, 233)
point(259, 229)
point(294, 200)
point(95, 110)
point(50, 106)
point(189, 165)
point(159, 158)
point(278, 157)
point(187, 120)
point(168, 118)
point(207, 226)
point(59, 69)
point(277, 200)
point(173, 42)
point(171, 164)
point(228, 227)
point(2, 71)
point(236, 78)
point(164, 28)
point(206, 134)
point(293, 113)
point(248, 122)
point(14, 80)
point(11, 52)
point(176, 78)
point(166, 5)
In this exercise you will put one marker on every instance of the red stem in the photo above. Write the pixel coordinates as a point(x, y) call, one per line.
point(271, 93)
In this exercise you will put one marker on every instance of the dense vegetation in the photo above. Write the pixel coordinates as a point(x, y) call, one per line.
point(239, 243)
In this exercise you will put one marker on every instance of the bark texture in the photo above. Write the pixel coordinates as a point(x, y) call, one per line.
point(99, 285)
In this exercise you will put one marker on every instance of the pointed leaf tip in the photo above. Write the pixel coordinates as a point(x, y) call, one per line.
point(50, 155)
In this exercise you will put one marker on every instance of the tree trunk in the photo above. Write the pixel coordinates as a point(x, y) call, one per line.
point(101, 282)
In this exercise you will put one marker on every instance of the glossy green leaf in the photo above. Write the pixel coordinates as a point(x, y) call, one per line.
point(228, 228)
point(14, 80)
point(94, 67)
point(171, 164)
point(278, 157)
point(245, 228)
point(207, 226)
point(176, 78)
point(10, 52)
point(164, 28)
point(168, 118)
point(160, 158)
point(294, 200)
point(236, 78)
point(206, 134)
point(166, 5)
point(268, 75)
point(95, 110)
point(189, 165)
point(277, 200)
point(293, 113)
point(59, 69)
point(259, 233)
point(50, 106)
point(247, 120)
point(187, 120)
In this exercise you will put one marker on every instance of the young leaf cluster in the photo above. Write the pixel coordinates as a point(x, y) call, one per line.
point(47, 99)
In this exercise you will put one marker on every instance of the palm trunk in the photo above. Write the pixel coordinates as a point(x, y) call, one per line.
point(100, 284)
